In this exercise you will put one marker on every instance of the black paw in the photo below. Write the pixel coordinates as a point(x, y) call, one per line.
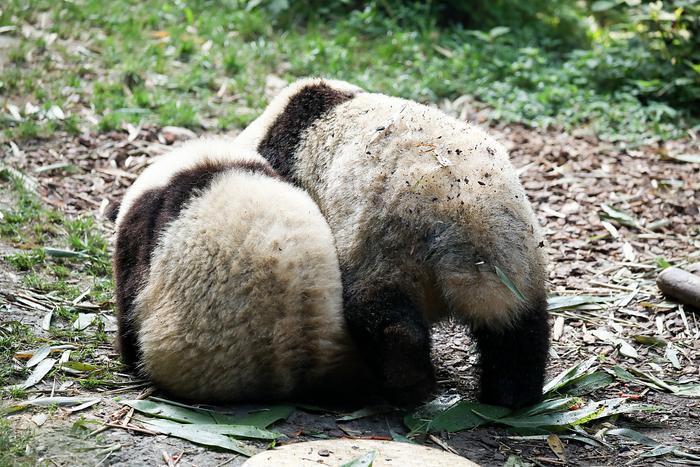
point(406, 370)
point(513, 359)
point(413, 395)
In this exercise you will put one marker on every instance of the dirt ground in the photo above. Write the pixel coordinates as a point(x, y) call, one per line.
point(568, 178)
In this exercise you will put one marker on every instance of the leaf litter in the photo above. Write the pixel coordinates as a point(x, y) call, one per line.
point(603, 284)
point(209, 427)
point(560, 412)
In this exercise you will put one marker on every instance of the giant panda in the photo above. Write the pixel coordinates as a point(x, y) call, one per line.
point(227, 281)
point(430, 221)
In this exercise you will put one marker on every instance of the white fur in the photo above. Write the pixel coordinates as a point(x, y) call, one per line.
point(384, 172)
point(244, 299)
point(180, 158)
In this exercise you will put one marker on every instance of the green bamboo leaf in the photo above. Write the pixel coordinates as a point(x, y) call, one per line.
point(618, 215)
point(587, 383)
point(239, 431)
point(552, 405)
point(264, 417)
point(567, 302)
point(568, 375)
point(170, 412)
point(365, 412)
point(508, 283)
point(192, 432)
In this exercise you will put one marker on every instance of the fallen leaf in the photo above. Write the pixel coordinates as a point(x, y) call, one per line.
point(568, 375)
point(192, 433)
point(170, 411)
point(84, 320)
point(556, 446)
point(364, 460)
point(39, 355)
point(41, 370)
point(365, 412)
point(39, 418)
point(618, 215)
point(692, 158)
point(565, 302)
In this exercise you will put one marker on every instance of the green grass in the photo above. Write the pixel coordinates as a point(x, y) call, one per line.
point(14, 336)
point(30, 224)
point(63, 278)
point(26, 261)
point(69, 260)
point(163, 63)
point(13, 446)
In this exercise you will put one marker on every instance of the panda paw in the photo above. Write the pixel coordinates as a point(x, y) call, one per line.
point(409, 396)
point(407, 373)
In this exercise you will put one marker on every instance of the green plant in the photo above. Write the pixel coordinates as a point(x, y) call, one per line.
point(13, 445)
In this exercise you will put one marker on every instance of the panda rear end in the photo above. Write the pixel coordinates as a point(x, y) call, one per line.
point(430, 221)
point(228, 285)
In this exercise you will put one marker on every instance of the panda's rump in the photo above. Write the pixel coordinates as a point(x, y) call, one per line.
point(245, 279)
point(413, 193)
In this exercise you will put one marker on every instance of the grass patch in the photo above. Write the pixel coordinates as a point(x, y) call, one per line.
point(205, 63)
point(13, 445)
point(26, 261)
point(14, 336)
point(31, 224)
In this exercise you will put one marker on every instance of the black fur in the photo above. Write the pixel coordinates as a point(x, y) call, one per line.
point(280, 143)
point(394, 339)
point(513, 361)
point(112, 211)
point(138, 234)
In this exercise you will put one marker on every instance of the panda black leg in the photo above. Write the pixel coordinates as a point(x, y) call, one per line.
point(394, 340)
point(513, 360)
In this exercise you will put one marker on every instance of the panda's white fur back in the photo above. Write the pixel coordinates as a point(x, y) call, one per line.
point(243, 296)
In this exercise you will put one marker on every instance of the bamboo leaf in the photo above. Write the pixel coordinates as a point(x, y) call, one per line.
point(365, 412)
point(508, 283)
point(568, 375)
point(58, 401)
point(39, 355)
point(618, 215)
point(170, 412)
point(265, 417)
point(192, 432)
point(566, 302)
point(552, 405)
point(239, 431)
point(61, 253)
point(588, 383)
point(692, 158)
point(41, 370)
point(364, 460)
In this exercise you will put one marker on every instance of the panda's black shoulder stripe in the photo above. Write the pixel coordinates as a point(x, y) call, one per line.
point(309, 104)
point(140, 228)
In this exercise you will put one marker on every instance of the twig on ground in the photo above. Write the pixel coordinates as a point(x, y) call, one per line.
point(442, 444)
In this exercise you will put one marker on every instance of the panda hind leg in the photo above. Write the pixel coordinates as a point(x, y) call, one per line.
point(394, 340)
point(513, 360)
